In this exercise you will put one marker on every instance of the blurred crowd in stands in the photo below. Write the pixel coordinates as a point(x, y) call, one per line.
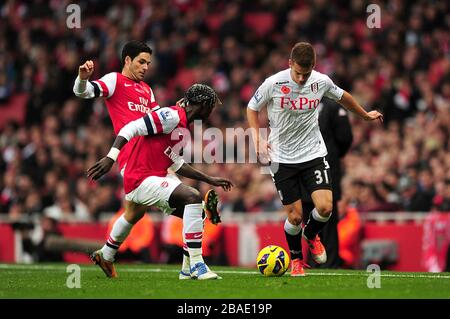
point(402, 69)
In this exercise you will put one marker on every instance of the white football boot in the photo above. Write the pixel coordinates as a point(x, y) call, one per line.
point(202, 272)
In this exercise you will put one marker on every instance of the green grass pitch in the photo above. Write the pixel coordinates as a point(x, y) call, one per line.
point(161, 282)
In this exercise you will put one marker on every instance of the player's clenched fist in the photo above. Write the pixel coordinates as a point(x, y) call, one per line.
point(86, 70)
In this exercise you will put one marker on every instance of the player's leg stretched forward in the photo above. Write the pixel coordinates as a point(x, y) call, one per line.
point(104, 257)
point(188, 201)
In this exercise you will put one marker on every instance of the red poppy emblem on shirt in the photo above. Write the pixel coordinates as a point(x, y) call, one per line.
point(285, 89)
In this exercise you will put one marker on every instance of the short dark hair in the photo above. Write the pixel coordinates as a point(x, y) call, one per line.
point(303, 54)
point(133, 49)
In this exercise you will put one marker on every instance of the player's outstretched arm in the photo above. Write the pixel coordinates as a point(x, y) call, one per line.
point(353, 106)
point(188, 171)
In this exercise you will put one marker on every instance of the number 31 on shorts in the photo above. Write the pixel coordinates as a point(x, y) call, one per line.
point(322, 175)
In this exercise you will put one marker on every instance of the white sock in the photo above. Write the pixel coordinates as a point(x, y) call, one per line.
point(292, 229)
point(186, 266)
point(193, 232)
point(315, 214)
point(119, 233)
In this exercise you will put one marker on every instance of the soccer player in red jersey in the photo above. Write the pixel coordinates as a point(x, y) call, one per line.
point(146, 181)
point(127, 98)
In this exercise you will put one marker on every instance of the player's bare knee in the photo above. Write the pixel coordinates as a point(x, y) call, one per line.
point(324, 209)
point(296, 220)
point(193, 197)
point(294, 215)
point(134, 216)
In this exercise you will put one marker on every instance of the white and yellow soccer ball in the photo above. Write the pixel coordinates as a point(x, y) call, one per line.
point(272, 261)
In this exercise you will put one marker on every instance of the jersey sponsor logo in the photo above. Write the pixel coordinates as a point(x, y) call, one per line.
point(257, 96)
point(139, 107)
point(300, 103)
point(171, 154)
point(285, 89)
point(282, 82)
point(315, 87)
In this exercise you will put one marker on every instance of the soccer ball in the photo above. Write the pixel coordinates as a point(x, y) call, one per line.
point(272, 261)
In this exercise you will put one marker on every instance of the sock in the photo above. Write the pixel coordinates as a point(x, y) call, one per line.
point(294, 239)
point(119, 233)
point(193, 232)
point(186, 266)
point(315, 224)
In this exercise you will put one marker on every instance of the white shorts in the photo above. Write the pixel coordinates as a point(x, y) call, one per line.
point(155, 191)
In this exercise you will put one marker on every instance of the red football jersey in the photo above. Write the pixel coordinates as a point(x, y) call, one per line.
point(126, 101)
point(152, 153)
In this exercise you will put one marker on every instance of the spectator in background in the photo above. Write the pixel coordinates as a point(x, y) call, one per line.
point(349, 231)
point(441, 201)
point(49, 225)
point(66, 207)
point(172, 239)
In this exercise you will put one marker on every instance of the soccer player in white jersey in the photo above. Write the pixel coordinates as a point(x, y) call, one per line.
point(295, 147)
point(147, 183)
point(127, 98)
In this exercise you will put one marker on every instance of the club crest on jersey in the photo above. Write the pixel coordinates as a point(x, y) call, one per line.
point(285, 89)
point(315, 87)
point(164, 184)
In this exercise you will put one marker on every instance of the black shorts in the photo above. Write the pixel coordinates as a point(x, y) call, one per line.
point(289, 178)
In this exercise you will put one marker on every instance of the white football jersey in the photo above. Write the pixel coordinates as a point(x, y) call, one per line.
point(293, 115)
